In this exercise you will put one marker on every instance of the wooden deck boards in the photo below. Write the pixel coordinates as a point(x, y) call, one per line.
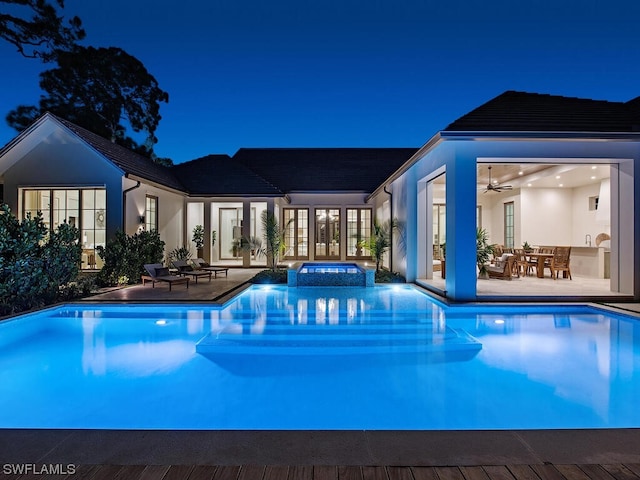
point(323, 472)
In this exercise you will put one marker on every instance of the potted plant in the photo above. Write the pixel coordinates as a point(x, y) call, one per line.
point(198, 239)
point(483, 252)
point(526, 247)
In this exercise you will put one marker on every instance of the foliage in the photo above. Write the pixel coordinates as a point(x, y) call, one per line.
point(214, 237)
point(180, 253)
point(270, 276)
point(102, 90)
point(198, 236)
point(381, 238)
point(274, 245)
point(125, 255)
point(34, 264)
point(37, 30)
point(386, 276)
point(82, 287)
point(526, 247)
point(483, 250)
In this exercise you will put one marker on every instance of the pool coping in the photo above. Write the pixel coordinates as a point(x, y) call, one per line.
point(320, 447)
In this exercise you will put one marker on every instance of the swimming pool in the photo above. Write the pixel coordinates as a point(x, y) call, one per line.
point(320, 358)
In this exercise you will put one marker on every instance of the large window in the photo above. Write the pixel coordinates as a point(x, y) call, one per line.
point(86, 209)
point(296, 237)
point(151, 214)
point(230, 238)
point(509, 225)
point(327, 233)
point(358, 232)
point(439, 223)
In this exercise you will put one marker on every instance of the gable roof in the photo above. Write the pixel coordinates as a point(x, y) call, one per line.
point(130, 162)
point(532, 112)
point(220, 175)
point(324, 169)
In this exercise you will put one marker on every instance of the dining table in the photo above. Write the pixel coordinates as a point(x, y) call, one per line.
point(540, 259)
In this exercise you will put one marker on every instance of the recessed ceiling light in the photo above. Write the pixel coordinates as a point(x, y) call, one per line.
point(520, 172)
point(593, 177)
point(528, 184)
point(557, 177)
point(495, 181)
point(594, 167)
point(560, 185)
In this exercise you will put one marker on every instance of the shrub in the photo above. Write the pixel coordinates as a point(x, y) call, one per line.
point(125, 255)
point(34, 264)
point(270, 276)
point(180, 253)
point(385, 276)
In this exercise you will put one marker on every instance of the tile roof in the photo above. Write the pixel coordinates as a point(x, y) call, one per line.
point(531, 112)
point(220, 175)
point(128, 161)
point(324, 169)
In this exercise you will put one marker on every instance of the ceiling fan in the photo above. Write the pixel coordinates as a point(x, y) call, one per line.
point(495, 187)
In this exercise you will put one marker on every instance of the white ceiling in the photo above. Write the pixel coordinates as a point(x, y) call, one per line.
point(558, 176)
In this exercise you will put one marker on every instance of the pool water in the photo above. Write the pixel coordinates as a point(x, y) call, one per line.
point(320, 358)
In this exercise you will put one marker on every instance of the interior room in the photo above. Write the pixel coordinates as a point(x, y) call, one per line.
point(537, 207)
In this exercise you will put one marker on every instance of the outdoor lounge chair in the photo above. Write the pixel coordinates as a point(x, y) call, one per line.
point(158, 273)
point(185, 269)
point(202, 265)
point(503, 268)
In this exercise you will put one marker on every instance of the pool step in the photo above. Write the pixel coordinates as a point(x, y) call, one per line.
point(338, 342)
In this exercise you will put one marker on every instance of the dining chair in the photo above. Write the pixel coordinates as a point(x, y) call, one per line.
point(560, 262)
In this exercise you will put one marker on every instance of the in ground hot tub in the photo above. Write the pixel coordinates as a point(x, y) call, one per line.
point(333, 274)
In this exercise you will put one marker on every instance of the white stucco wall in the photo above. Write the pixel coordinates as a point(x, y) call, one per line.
point(170, 213)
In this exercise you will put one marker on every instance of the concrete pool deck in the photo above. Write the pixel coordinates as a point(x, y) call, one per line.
point(373, 448)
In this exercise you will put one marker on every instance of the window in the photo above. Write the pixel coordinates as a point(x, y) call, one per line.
point(86, 209)
point(358, 231)
point(327, 233)
point(439, 223)
point(230, 235)
point(151, 214)
point(296, 236)
point(509, 225)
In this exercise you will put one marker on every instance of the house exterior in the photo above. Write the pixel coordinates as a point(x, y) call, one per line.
point(572, 165)
point(69, 173)
point(548, 141)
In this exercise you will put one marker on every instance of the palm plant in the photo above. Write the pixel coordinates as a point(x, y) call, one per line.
point(483, 250)
point(381, 238)
point(274, 245)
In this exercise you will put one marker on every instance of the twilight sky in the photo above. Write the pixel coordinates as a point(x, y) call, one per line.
point(346, 73)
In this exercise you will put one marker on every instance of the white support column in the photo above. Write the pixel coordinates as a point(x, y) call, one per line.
point(246, 231)
point(409, 257)
point(461, 228)
point(425, 230)
point(207, 231)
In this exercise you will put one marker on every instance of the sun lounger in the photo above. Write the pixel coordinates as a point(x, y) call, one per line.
point(202, 265)
point(185, 269)
point(158, 273)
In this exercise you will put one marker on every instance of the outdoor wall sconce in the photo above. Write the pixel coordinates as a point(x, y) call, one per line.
point(141, 220)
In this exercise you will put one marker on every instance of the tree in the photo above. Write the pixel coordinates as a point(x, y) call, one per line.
point(37, 30)
point(102, 90)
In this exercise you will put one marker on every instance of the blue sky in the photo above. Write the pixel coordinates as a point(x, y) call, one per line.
point(346, 73)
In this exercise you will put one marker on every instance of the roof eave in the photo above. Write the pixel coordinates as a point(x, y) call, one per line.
point(449, 135)
point(537, 135)
point(422, 151)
